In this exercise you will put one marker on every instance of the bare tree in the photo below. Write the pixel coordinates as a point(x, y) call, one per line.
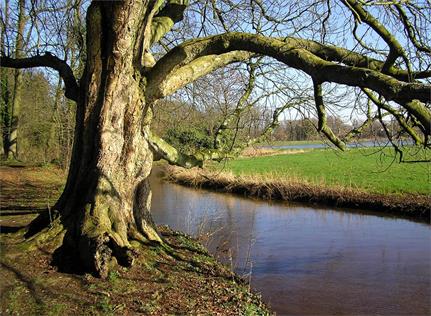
point(105, 204)
point(11, 98)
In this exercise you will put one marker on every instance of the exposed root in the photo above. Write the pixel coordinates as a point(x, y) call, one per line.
point(96, 254)
point(100, 254)
point(75, 252)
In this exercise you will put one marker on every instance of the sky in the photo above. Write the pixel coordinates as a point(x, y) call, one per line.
point(301, 19)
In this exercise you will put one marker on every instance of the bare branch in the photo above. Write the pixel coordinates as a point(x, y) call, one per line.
point(50, 61)
point(241, 106)
point(321, 113)
point(421, 112)
point(350, 58)
point(398, 116)
point(410, 30)
point(396, 49)
point(219, 15)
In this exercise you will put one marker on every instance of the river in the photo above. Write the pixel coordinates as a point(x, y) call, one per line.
point(308, 260)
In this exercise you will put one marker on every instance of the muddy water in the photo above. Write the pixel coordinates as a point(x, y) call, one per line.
point(308, 260)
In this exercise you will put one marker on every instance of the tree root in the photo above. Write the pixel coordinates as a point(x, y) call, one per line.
point(100, 254)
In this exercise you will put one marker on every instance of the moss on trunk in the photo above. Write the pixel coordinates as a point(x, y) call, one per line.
point(105, 204)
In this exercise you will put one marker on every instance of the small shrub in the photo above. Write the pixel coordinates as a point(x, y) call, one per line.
point(188, 139)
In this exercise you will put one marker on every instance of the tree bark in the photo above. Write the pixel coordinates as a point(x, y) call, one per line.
point(107, 197)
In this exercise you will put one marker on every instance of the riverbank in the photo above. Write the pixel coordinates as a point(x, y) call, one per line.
point(185, 279)
point(373, 170)
point(275, 188)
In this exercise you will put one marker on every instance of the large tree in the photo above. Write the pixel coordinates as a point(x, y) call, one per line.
point(106, 201)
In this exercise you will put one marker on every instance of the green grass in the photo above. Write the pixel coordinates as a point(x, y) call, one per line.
point(370, 169)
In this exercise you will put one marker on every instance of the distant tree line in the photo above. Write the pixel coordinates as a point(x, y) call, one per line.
point(306, 129)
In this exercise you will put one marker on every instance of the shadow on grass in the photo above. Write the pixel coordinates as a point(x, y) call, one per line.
point(21, 210)
point(44, 295)
point(26, 281)
point(16, 166)
point(10, 229)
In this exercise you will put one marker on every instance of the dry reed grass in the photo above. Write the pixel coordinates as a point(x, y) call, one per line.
point(277, 187)
point(258, 152)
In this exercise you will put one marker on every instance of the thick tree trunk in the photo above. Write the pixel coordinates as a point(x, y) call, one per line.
point(107, 197)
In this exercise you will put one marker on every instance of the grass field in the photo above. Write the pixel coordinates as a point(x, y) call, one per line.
point(369, 169)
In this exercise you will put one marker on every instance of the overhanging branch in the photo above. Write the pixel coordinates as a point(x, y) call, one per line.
point(398, 116)
point(163, 150)
point(162, 85)
point(50, 61)
point(163, 21)
point(322, 120)
point(286, 51)
point(396, 49)
point(350, 58)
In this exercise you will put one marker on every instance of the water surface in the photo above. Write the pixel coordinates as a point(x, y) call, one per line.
point(308, 260)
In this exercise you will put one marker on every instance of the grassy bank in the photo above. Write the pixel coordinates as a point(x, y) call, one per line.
point(369, 169)
point(275, 188)
point(180, 278)
point(291, 142)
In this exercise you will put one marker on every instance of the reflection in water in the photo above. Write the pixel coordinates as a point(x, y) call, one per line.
point(308, 260)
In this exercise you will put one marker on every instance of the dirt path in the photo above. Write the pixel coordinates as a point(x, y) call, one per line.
point(29, 189)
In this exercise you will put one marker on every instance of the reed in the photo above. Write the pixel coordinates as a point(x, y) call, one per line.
point(272, 187)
